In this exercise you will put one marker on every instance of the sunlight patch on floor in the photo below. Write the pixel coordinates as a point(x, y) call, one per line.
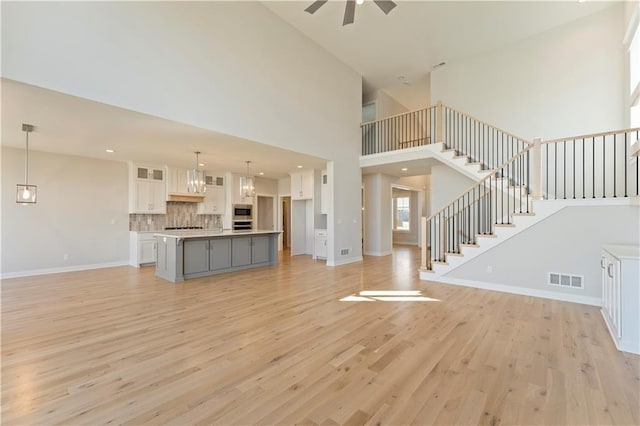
point(388, 296)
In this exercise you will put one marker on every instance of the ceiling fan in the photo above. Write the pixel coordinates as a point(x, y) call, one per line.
point(385, 5)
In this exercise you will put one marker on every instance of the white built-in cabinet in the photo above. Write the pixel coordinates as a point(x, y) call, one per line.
point(147, 189)
point(142, 248)
point(214, 200)
point(324, 193)
point(320, 250)
point(177, 181)
point(302, 185)
point(620, 266)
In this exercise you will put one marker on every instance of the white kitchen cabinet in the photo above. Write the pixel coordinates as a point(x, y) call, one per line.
point(147, 189)
point(324, 193)
point(320, 245)
point(302, 185)
point(214, 201)
point(142, 248)
point(177, 181)
point(620, 266)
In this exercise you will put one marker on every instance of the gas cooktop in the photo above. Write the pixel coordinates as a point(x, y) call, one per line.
point(173, 228)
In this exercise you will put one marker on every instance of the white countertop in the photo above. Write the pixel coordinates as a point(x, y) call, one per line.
point(623, 252)
point(199, 233)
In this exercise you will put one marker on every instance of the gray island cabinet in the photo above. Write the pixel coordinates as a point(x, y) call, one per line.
point(190, 254)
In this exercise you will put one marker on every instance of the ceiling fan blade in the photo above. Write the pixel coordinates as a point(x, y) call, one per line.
point(315, 6)
point(385, 5)
point(349, 12)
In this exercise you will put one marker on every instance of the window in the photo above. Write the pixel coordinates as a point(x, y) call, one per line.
point(402, 213)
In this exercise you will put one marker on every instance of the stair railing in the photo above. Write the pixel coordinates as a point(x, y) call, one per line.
point(482, 142)
point(589, 166)
point(493, 201)
point(406, 130)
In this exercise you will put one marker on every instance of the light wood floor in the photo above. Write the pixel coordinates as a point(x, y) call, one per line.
point(277, 346)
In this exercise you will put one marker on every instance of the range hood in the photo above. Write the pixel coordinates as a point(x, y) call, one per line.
point(185, 198)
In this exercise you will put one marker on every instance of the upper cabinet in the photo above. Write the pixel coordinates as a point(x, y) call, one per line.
point(215, 197)
point(177, 181)
point(302, 185)
point(147, 189)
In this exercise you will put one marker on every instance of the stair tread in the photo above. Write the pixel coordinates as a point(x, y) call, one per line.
point(469, 245)
point(505, 225)
point(486, 236)
point(449, 253)
point(524, 214)
point(439, 262)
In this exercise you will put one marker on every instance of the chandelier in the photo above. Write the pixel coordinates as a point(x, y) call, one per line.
point(247, 184)
point(196, 180)
point(25, 193)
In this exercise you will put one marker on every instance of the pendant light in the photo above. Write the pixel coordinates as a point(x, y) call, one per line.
point(196, 181)
point(25, 193)
point(247, 184)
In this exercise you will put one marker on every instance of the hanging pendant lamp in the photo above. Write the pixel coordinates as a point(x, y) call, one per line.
point(26, 194)
point(196, 181)
point(247, 184)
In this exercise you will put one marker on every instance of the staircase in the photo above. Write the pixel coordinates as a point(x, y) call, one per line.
point(519, 182)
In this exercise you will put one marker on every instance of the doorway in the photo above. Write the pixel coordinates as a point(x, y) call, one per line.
point(286, 223)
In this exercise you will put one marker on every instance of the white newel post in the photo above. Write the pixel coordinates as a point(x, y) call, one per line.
point(423, 261)
point(536, 170)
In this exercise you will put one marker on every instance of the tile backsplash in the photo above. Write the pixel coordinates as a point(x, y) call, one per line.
point(178, 214)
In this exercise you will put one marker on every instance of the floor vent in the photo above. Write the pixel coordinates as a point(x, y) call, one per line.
point(344, 251)
point(565, 280)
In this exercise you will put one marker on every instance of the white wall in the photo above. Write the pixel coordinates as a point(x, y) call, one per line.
point(446, 185)
point(564, 82)
point(377, 211)
point(568, 242)
point(81, 211)
point(387, 105)
point(231, 67)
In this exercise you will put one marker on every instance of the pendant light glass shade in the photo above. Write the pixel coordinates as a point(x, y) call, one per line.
point(247, 184)
point(196, 180)
point(25, 193)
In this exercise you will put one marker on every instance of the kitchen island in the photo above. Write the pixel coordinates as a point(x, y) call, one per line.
point(196, 253)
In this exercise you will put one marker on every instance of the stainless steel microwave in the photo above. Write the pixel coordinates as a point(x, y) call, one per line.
point(242, 211)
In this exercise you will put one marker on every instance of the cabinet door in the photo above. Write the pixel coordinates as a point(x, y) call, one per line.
point(157, 197)
point(196, 256)
point(143, 203)
point(219, 253)
point(613, 273)
point(321, 246)
point(218, 199)
point(307, 185)
point(147, 251)
point(241, 251)
point(296, 186)
point(260, 250)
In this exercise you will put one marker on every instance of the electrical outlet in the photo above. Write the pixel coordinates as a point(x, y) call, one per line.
point(65, 256)
point(149, 221)
point(489, 269)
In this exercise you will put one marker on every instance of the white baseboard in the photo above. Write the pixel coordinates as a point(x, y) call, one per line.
point(378, 253)
point(524, 291)
point(47, 271)
point(344, 261)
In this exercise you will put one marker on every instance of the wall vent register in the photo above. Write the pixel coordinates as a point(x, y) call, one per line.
point(565, 280)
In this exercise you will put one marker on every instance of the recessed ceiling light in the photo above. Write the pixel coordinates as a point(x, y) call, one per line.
point(201, 164)
point(299, 167)
point(110, 151)
point(261, 173)
point(404, 169)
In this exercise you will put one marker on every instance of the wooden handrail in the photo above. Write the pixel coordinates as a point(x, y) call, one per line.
point(489, 176)
point(489, 125)
point(398, 115)
point(593, 135)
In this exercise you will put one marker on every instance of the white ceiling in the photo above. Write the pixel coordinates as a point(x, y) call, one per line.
point(417, 35)
point(76, 126)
